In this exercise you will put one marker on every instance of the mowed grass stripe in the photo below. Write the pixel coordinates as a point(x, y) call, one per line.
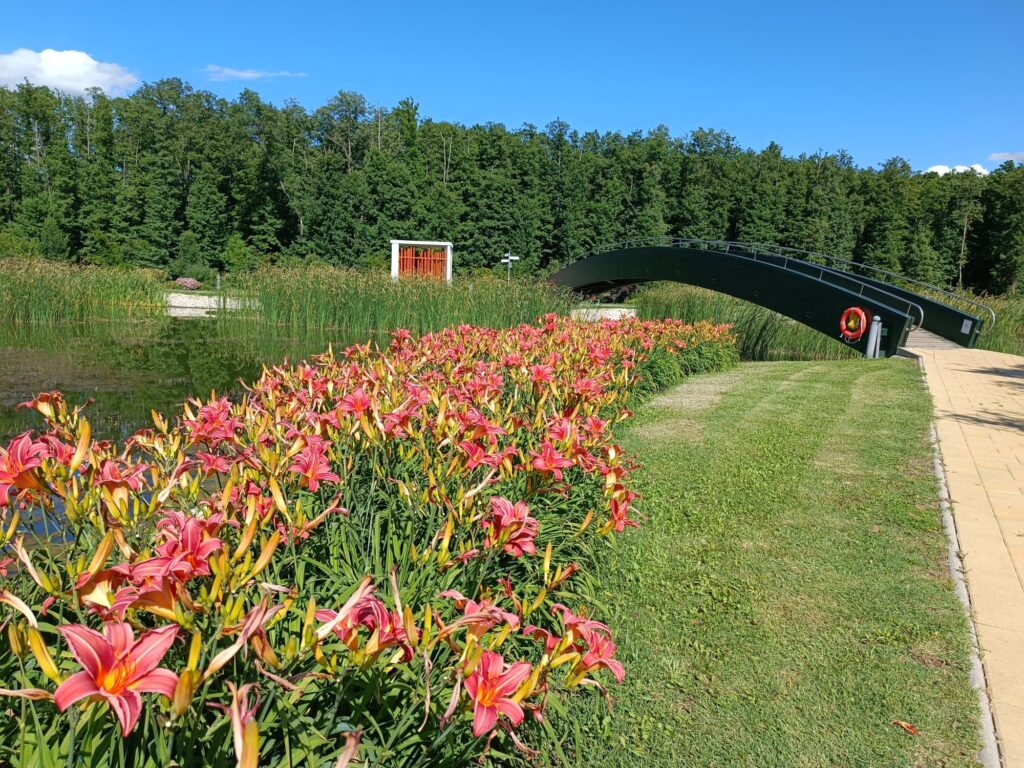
point(788, 597)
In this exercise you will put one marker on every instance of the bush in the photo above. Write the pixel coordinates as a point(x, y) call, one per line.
point(15, 244)
point(189, 261)
point(382, 554)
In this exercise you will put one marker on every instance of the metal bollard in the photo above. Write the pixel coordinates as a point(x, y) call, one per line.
point(874, 338)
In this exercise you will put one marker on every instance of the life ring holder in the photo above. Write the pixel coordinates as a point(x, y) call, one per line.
point(852, 324)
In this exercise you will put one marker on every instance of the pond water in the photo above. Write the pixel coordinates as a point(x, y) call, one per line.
point(130, 369)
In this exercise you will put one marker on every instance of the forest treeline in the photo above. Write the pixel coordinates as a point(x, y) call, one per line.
point(184, 180)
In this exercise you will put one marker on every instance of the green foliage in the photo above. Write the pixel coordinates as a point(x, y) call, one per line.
point(1008, 333)
point(123, 178)
point(42, 291)
point(53, 243)
point(189, 261)
point(15, 244)
point(316, 298)
point(237, 256)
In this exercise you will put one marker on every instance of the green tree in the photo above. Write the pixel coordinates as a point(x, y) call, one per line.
point(1004, 219)
point(886, 235)
point(53, 241)
point(238, 256)
point(190, 260)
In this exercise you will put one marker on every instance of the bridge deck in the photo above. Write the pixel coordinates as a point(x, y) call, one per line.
point(920, 339)
point(979, 417)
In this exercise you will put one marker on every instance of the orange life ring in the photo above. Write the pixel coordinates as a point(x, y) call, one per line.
point(853, 323)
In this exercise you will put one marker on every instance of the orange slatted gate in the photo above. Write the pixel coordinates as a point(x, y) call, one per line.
point(428, 262)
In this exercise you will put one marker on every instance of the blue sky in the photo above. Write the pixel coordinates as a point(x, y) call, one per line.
point(935, 82)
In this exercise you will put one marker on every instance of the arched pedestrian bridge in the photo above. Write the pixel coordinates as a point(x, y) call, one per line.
point(814, 289)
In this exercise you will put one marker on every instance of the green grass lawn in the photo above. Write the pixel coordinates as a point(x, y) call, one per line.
point(788, 597)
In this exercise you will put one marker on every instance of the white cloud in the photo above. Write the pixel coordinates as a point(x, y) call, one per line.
point(219, 73)
point(69, 71)
point(1017, 157)
point(942, 170)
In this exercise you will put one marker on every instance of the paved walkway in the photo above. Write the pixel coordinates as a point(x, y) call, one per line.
point(979, 413)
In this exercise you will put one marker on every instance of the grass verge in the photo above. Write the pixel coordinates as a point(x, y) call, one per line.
point(795, 596)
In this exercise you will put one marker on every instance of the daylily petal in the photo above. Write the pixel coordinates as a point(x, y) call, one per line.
point(92, 649)
point(158, 681)
point(484, 719)
point(121, 637)
point(127, 705)
point(151, 648)
point(514, 677)
point(616, 668)
point(512, 710)
point(75, 688)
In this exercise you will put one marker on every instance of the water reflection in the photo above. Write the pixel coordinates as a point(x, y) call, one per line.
point(129, 369)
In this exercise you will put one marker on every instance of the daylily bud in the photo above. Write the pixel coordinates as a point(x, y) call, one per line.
point(427, 623)
point(247, 535)
point(12, 528)
point(268, 552)
point(409, 625)
point(82, 448)
point(102, 553)
point(17, 640)
point(194, 650)
point(250, 756)
point(275, 491)
point(586, 521)
point(528, 685)
point(42, 654)
point(182, 694)
point(473, 655)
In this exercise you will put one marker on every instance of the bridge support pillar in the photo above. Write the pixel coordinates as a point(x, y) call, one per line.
point(874, 338)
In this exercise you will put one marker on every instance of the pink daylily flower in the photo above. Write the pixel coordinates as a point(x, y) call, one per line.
point(188, 546)
point(491, 687)
point(214, 423)
point(539, 374)
point(384, 625)
point(480, 616)
point(355, 402)
point(117, 668)
point(213, 464)
point(599, 654)
point(18, 463)
point(619, 513)
point(115, 476)
point(550, 460)
point(312, 466)
point(510, 527)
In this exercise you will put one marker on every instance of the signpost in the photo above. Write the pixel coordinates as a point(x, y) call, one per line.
point(508, 259)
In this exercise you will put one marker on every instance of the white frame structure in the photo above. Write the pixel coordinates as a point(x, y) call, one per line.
point(396, 244)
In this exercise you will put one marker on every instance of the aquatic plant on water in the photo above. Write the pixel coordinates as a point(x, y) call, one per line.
point(378, 556)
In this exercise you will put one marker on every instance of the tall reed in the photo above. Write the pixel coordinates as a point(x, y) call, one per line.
point(42, 291)
point(762, 334)
point(1007, 335)
point(353, 303)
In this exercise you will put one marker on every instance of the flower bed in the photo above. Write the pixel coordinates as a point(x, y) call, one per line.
point(380, 554)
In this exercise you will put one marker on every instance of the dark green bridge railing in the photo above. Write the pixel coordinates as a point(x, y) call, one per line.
point(814, 290)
